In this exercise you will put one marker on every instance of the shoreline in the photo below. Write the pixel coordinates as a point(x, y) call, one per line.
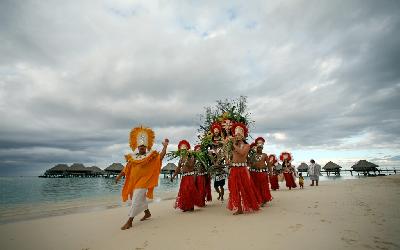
point(364, 216)
point(40, 210)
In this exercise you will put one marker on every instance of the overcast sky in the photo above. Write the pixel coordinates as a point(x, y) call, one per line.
point(322, 77)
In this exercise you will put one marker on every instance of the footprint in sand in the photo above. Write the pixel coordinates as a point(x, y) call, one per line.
point(296, 227)
point(348, 240)
point(327, 221)
point(350, 237)
point(145, 244)
point(381, 244)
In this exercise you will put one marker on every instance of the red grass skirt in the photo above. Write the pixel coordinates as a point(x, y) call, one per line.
point(242, 191)
point(208, 188)
point(274, 182)
point(188, 195)
point(289, 180)
point(260, 180)
point(201, 188)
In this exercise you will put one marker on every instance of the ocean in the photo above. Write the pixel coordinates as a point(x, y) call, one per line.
point(23, 198)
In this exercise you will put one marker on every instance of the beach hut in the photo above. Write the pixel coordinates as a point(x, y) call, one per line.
point(365, 167)
point(114, 169)
point(58, 170)
point(303, 167)
point(78, 170)
point(168, 169)
point(96, 171)
point(332, 167)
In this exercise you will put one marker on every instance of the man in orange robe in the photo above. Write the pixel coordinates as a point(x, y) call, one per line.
point(141, 172)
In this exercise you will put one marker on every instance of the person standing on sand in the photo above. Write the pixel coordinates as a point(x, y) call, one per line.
point(314, 171)
point(301, 181)
point(188, 195)
point(141, 172)
point(288, 170)
point(259, 172)
point(243, 195)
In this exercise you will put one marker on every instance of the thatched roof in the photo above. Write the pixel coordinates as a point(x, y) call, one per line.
point(303, 166)
point(169, 167)
point(77, 167)
point(58, 168)
point(115, 167)
point(364, 165)
point(95, 169)
point(331, 166)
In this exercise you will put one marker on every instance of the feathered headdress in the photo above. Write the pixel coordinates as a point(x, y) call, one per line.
point(239, 128)
point(285, 156)
point(216, 125)
point(260, 141)
point(272, 159)
point(141, 136)
point(183, 145)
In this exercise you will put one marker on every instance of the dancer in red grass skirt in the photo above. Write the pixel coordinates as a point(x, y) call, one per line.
point(287, 170)
point(243, 196)
point(273, 178)
point(259, 172)
point(208, 188)
point(200, 179)
point(188, 195)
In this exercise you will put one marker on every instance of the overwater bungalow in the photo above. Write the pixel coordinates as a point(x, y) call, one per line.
point(303, 167)
point(168, 169)
point(332, 167)
point(114, 169)
point(365, 167)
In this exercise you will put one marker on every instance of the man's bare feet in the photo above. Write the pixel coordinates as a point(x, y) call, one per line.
point(128, 224)
point(147, 215)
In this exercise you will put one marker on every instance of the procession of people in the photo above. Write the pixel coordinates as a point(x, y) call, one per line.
point(222, 153)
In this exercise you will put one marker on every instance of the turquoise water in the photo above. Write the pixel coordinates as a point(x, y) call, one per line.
point(24, 198)
point(32, 197)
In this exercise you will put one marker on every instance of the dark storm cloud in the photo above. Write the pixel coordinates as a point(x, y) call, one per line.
point(75, 77)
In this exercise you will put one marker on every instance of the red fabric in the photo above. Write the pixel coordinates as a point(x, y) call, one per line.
point(242, 190)
point(290, 183)
point(208, 188)
point(261, 183)
point(274, 182)
point(201, 188)
point(187, 195)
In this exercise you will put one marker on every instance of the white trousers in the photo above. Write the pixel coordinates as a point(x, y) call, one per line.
point(139, 202)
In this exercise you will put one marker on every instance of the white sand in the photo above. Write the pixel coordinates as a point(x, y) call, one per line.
point(350, 214)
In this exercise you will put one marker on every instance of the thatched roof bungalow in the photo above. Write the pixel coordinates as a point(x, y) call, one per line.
point(169, 168)
point(303, 167)
point(331, 166)
point(94, 170)
point(114, 168)
point(58, 169)
point(365, 166)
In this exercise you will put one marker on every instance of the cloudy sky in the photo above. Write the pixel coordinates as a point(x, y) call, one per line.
point(322, 77)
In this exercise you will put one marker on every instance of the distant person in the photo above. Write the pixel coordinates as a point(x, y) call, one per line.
point(141, 172)
point(301, 180)
point(274, 180)
point(219, 182)
point(288, 170)
point(313, 171)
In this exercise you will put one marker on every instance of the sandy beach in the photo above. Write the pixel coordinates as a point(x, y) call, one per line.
point(348, 214)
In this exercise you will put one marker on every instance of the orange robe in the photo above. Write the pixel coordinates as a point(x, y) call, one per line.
point(141, 173)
